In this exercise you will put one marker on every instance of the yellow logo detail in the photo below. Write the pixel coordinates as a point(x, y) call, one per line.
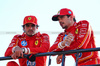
point(29, 18)
point(58, 12)
point(76, 31)
point(34, 20)
point(36, 42)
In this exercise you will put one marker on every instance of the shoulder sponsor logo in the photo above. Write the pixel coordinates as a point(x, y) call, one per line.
point(24, 43)
point(45, 37)
point(45, 40)
point(84, 25)
point(81, 36)
point(83, 30)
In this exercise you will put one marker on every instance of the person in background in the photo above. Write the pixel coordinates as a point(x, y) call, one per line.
point(30, 42)
point(75, 36)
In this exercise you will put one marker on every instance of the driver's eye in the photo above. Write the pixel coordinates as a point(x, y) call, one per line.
point(33, 25)
point(27, 25)
point(61, 16)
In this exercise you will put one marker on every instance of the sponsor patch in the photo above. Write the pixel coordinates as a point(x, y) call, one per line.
point(64, 36)
point(69, 12)
point(29, 63)
point(81, 36)
point(36, 42)
point(83, 30)
point(84, 25)
point(13, 41)
point(45, 37)
point(45, 40)
point(24, 43)
point(76, 31)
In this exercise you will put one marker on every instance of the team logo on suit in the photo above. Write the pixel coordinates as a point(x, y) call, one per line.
point(36, 42)
point(29, 63)
point(76, 32)
point(24, 43)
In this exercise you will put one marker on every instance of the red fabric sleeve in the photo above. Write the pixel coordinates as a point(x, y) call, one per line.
point(54, 47)
point(45, 44)
point(13, 43)
point(82, 38)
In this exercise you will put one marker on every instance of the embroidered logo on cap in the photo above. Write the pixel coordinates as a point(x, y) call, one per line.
point(29, 18)
point(69, 12)
point(58, 12)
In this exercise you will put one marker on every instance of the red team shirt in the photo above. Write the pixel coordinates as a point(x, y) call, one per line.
point(39, 43)
point(83, 39)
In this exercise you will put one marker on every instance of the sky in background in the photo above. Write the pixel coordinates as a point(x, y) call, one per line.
point(12, 13)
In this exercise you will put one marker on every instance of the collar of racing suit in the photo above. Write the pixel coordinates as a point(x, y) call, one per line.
point(70, 28)
point(31, 38)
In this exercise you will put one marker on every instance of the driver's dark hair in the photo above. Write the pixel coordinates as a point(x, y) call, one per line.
point(73, 18)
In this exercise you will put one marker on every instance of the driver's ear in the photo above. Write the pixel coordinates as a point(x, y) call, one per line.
point(24, 28)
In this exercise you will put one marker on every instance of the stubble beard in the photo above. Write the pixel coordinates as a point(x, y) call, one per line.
point(31, 34)
point(65, 27)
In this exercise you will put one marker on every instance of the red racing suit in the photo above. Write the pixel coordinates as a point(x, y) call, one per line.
point(39, 43)
point(83, 39)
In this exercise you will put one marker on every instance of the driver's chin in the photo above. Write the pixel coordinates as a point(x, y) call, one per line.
point(30, 34)
point(65, 27)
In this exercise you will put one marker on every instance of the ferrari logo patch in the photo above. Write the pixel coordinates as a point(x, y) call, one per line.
point(58, 12)
point(29, 18)
point(36, 42)
point(76, 32)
